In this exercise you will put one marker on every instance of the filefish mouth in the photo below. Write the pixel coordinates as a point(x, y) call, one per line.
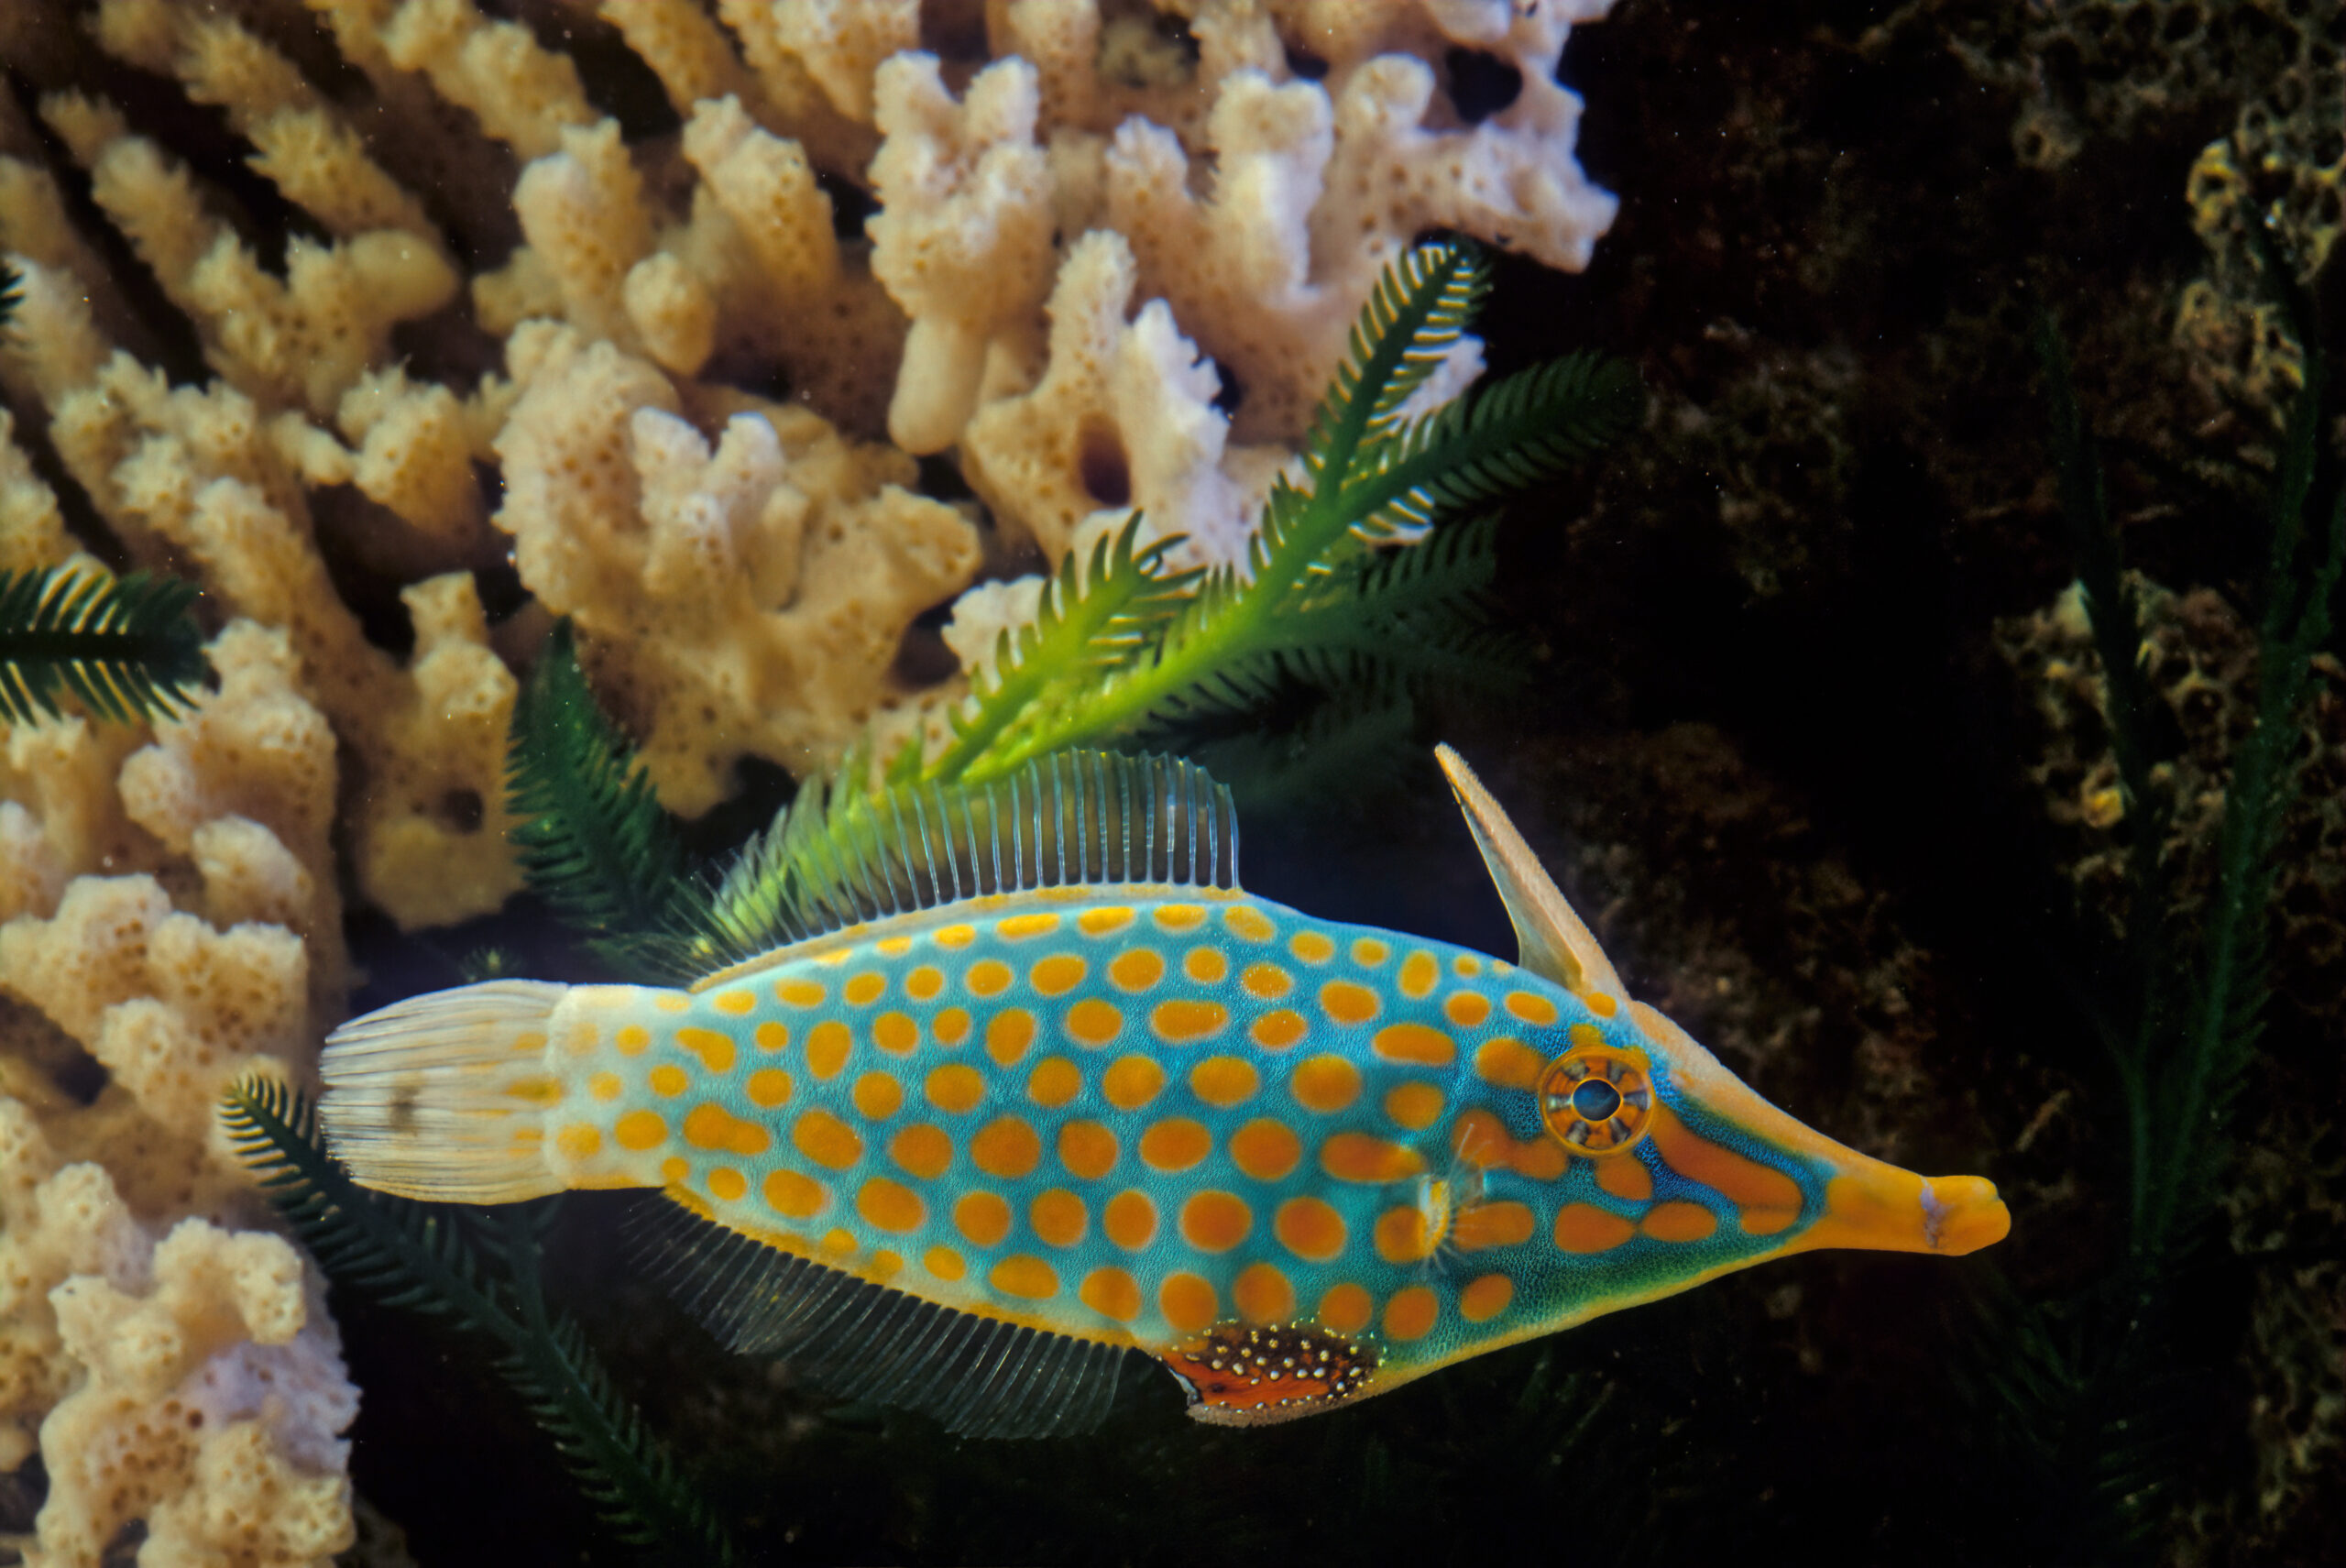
point(1880, 1207)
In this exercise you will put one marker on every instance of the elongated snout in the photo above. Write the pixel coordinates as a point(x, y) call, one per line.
point(1880, 1208)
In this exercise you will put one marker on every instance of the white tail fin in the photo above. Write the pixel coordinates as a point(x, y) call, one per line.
point(443, 1097)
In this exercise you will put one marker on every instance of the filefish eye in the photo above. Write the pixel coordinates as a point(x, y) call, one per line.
point(1596, 1100)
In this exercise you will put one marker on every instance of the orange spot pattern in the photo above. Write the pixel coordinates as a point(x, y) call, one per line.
point(1111, 1293)
point(1130, 1219)
point(1310, 1228)
point(1511, 1064)
point(639, 1130)
point(1358, 1156)
point(828, 1043)
point(710, 1127)
point(1006, 1146)
point(1346, 1002)
point(1135, 968)
point(1420, 974)
point(1053, 1082)
point(1224, 1080)
point(1266, 1150)
point(1346, 1309)
point(1266, 982)
point(1087, 1149)
point(1250, 924)
point(1770, 1200)
point(1402, 1236)
point(1412, 1313)
point(1263, 1295)
point(1181, 1021)
point(1414, 1043)
point(1485, 1298)
point(1008, 1034)
point(1415, 1107)
point(715, 1051)
point(825, 1139)
point(1215, 1222)
point(1021, 1275)
point(1206, 966)
point(890, 1205)
point(1094, 1023)
point(921, 1150)
point(988, 977)
point(1679, 1222)
point(794, 1196)
point(1503, 1224)
point(1175, 1144)
point(1466, 1009)
point(1058, 974)
point(1277, 1030)
point(955, 1087)
point(1326, 1084)
point(878, 1096)
point(1584, 1228)
point(982, 1217)
point(1188, 1302)
point(1132, 1082)
point(1481, 1138)
point(1058, 1217)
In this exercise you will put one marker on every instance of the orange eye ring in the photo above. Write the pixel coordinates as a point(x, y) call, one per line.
point(1596, 1100)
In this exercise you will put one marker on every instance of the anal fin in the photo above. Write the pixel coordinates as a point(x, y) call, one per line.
point(978, 1376)
point(1239, 1376)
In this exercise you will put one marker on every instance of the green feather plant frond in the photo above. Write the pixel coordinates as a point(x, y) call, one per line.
point(11, 291)
point(1090, 620)
point(125, 648)
point(592, 837)
point(1373, 477)
point(420, 1258)
point(2101, 1380)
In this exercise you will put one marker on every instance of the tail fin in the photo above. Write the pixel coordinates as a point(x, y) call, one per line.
point(443, 1097)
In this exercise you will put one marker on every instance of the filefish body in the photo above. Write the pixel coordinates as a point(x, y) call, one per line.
point(1298, 1161)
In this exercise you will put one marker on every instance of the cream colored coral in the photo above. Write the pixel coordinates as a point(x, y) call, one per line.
point(302, 146)
point(211, 1406)
point(745, 599)
point(32, 531)
point(523, 94)
point(200, 473)
point(792, 103)
point(963, 237)
point(842, 43)
point(297, 342)
point(415, 441)
point(1123, 418)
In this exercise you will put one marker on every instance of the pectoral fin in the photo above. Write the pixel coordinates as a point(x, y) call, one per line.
point(1555, 943)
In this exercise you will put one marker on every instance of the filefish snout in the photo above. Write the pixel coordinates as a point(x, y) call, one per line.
point(1880, 1207)
point(1867, 1204)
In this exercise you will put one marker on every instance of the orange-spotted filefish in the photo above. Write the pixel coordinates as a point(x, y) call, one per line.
point(1025, 1083)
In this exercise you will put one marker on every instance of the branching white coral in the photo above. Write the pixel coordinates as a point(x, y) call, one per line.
point(746, 599)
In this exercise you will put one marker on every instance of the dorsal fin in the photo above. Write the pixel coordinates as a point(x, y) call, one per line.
point(1554, 942)
point(978, 1376)
point(838, 857)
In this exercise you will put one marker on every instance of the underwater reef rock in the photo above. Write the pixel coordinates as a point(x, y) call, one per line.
point(401, 327)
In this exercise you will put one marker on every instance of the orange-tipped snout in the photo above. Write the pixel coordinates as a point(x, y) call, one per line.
point(1883, 1208)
